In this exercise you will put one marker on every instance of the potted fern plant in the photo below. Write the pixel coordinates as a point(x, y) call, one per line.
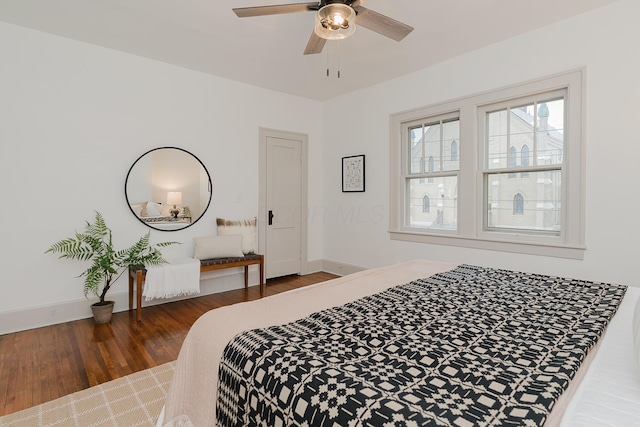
point(107, 264)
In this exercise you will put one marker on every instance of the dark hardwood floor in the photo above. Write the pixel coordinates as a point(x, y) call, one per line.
point(43, 364)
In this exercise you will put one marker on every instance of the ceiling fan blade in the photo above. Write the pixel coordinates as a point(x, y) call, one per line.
point(275, 9)
point(382, 24)
point(315, 44)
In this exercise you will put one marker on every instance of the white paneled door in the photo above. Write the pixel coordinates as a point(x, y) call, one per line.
point(283, 205)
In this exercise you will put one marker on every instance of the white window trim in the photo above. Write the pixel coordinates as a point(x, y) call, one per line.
point(470, 233)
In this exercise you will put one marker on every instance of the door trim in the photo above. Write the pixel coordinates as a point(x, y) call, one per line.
point(265, 133)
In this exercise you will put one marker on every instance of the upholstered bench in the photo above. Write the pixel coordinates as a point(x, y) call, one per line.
point(138, 274)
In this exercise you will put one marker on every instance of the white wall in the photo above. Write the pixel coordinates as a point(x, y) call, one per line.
point(605, 42)
point(73, 119)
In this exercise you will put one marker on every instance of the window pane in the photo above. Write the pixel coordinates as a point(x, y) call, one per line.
point(531, 203)
point(538, 126)
point(521, 125)
point(442, 196)
point(525, 156)
point(450, 138)
point(432, 134)
point(434, 146)
point(550, 134)
point(416, 150)
point(497, 141)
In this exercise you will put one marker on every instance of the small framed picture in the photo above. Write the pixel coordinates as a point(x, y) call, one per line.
point(353, 174)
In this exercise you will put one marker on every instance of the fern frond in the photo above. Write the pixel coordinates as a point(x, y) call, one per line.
point(64, 246)
point(141, 244)
point(158, 260)
point(96, 245)
point(164, 244)
point(99, 228)
point(93, 279)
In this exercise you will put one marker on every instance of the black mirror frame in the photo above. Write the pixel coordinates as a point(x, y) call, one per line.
point(210, 188)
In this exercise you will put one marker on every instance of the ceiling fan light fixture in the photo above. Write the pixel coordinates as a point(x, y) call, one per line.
point(335, 21)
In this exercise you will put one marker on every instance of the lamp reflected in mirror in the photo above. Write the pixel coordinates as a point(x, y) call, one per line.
point(174, 198)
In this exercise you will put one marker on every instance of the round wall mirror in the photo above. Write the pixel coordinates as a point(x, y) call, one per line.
point(168, 189)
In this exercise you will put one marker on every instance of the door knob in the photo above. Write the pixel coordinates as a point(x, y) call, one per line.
point(270, 217)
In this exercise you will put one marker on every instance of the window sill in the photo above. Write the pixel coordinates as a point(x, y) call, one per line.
point(529, 248)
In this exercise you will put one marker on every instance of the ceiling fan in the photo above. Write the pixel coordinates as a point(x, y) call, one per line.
point(335, 19)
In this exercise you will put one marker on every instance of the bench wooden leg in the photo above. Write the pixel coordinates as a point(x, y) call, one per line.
point(263, 285)
point(140, 278)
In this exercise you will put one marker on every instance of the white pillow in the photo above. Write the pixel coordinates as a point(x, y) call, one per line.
point(245, 227)
point(217, 247)
point(154, 209)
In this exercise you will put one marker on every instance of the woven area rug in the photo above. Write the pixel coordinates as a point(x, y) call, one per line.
point(134, 400)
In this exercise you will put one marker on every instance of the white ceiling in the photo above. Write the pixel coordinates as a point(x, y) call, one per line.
point(266, 51)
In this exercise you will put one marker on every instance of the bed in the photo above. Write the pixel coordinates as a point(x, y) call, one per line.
point(229, 368)
point(157, 215)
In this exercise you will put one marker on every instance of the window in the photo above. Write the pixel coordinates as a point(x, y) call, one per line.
point(512, 160)
point(518, 204)
point(515, 157)
point(524, 160)
point(426, 204)
point(429, 139)
point(454, 150)
point(519, 123)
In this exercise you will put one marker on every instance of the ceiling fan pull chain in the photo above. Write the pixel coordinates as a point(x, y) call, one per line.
point(327, 51)
point(339, 51)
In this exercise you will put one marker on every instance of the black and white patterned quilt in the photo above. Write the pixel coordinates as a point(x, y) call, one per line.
point(470, 347)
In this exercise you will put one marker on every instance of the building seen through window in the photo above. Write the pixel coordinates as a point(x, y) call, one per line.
point(518, 139)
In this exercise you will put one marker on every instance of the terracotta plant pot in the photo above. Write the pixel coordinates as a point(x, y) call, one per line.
point(102, 312)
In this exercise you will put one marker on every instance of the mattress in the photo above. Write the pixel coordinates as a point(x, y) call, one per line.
point(609, 393)
point(192, 396)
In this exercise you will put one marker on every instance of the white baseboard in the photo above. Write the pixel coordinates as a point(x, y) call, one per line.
point(51, 314)
point(210, 283)
point(333, 267)
point(314, 266)
point(340, 268)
